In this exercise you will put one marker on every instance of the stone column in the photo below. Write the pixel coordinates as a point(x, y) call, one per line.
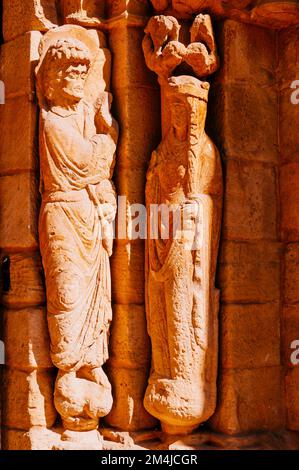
point(28, 376)
point(288, 55)
point(137, 109)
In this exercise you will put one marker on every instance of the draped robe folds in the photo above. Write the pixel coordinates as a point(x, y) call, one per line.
point(74, 160)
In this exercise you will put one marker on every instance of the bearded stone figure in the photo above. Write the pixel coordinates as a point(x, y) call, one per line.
point(77, 146)
point(185, 178)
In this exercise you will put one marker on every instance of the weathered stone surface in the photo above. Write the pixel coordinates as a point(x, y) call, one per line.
point(247, 54)
point(249, 400)
point(185, 172)
point(19, 140)
point(28, 344)
point(250, 209)
point(239, 106)
point(37, 438)
point(128, 277)
point(129, 363)
point(84, 12)
point(289, 118)
point(249, 272)
point(21, 16)
point(291, 276)
point(28, 399)
point(78, 138)
point(18, 59)
point(250, 336)
point(19, 211)
point(26, 286)
point(133, 104)
point(289, 195)
point(288, 56)
point(290, 329)
point(292, 406)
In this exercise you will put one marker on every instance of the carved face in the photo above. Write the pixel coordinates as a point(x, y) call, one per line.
point(179, 117)
point(73, 82)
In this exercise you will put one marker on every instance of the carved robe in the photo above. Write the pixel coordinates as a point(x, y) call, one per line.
point(75, 164)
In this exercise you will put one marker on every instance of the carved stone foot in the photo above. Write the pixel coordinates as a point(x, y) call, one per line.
point(72, 440)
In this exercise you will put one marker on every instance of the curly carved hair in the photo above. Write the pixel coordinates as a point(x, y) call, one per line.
point(59, 55)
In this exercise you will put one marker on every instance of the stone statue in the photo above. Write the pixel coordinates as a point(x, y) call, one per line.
point(184, 176)
point(77, 147)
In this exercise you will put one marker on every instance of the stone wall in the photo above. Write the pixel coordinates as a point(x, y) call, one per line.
point(255, 127)
point(288, 69)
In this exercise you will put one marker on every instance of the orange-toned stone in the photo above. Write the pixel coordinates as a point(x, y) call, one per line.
point(291, 278)
point(292, 402)
point(129, 363)
point(28, 399)
point(249, 272)
point(18, 143)
point(37, 438)
point(241, 106)
point(18, 59)
point(84, 12)
point(26, 286)
point(290, 332)
point(20, 16)
point(250, 209)
point(250, 336)
point(289, 119)
point(128, 276)
point(28, 343)
point(249, 400)
point(289, 195)
point(138, 108)
point(288, 54)
point(247, 53)
point(19, 211)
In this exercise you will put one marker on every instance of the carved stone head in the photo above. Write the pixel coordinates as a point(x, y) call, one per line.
point(61, 76)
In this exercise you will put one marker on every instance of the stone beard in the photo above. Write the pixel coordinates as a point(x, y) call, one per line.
point(77, 147)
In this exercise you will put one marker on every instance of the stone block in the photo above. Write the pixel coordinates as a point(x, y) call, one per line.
point(249, 400)
point(289, 196)
point(138, 112)
point(290, 330)
point(129, 68)
point(18, 60)
point(21, 16)
point(27, 343)
point(37, 438)
point(250, 336)
point(291, 274)
point(250, 206)
point(292, 398)
point(127, 270)
point(130, 343)
point(247, 53)
point(28, 399)
point(128, 389)
point(25, 281)
point(246, 117)
point(288, 54)
point(249, 272)
point(288, 126)
point(19, 212)
point(18, 145)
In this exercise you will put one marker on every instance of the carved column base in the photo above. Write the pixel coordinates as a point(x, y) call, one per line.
point(71, 440)
point(178, 404)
